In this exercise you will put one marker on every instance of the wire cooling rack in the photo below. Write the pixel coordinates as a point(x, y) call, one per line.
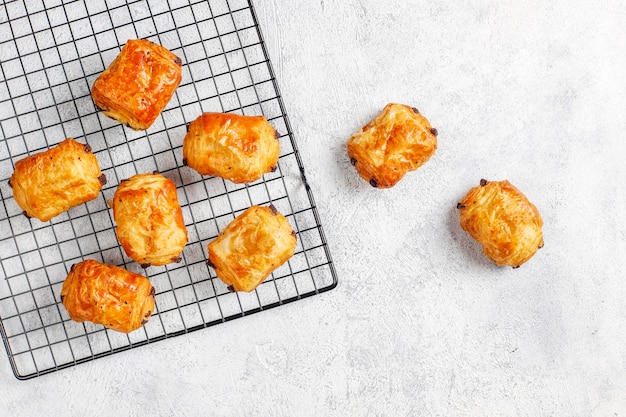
point(51, 51)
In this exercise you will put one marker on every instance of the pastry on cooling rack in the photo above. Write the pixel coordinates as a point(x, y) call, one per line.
point(48, 183)
point(150, 225)
point(238, 148)
point(503, 221)
point(398, 140)
point(109, 295)
point(252, 246)
point(138, 84)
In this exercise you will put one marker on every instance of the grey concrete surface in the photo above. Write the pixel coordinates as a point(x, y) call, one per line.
point(421, 323)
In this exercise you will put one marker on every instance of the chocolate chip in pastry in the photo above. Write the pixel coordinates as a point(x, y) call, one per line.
point(109, 295)
point(395, 142)
point(150, 224)
point(251, 247)
point(138, 84)
point(499, 217)
point(48, 183)
point(238, 148)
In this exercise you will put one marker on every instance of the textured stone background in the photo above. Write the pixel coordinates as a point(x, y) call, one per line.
point(421, 323)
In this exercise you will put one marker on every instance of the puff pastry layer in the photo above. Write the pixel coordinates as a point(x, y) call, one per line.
point(398, 140)
point(138, 84)
point(109, 295)
point(499, 217)
point(48, 183)
point(238, 148)
point(252, 246)
point(150, 224)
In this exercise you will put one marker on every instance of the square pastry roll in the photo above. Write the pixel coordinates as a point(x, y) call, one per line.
point(109, 295)
point(48, 183)
point(398, 140)
point(138, 84)
point(251, 247)
point(499, 217)
point(238, 148)
point(150, 225)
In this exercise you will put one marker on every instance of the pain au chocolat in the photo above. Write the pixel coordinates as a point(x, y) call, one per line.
point(395, 142)
point(48, 183)
point(150, 224)
point(109, 295)
point(138, 84)
point(238, 148)
point(251, 247)
point(499, 217)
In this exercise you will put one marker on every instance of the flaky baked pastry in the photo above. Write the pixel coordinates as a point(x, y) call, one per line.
point(150, 224)
point(252, 246)
point(238, 148)
point(138, 84)
point(398, 140)
point(48, 183)
point(503, 221)
point(109, 295)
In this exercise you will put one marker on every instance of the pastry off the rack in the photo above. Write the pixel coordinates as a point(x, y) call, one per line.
point(48, 183)
point(138, 84)
point(395, 142)
point(252, 246)
point(150, 224)
point(109, 295)
point(238, 148)
point(499, 217)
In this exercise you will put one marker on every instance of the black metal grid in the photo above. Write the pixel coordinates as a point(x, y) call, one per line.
point(51, 51)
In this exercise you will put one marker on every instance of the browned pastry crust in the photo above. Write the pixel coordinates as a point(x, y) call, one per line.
point(503, 221)
point(138, 84)
point(109, 295)
point(252, 246)
point(398, 140)
point(150, 224)
point(238, 148)
point(48, 183)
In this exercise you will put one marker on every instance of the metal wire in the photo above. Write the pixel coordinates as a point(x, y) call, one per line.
point(51, 51)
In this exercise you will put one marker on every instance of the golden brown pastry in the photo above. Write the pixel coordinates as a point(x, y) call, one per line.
point(238, 148)
point(48, 183)
point(138, 84)
point(150, 223)
point(109, 295)
point(252, 246)
point(398, 140)
point(503, 221)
